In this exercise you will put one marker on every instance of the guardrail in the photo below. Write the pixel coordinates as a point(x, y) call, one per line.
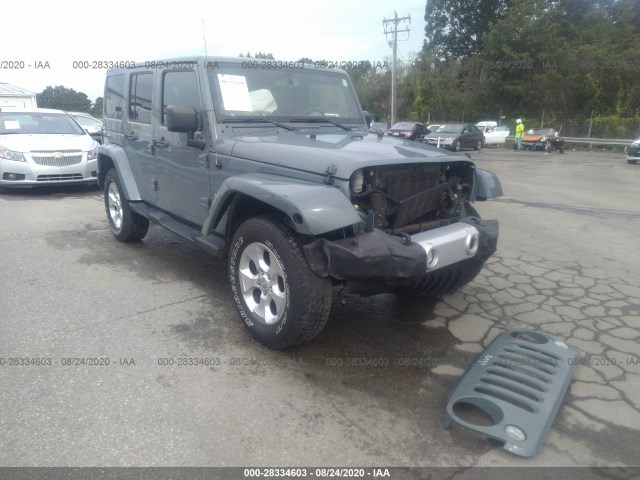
point(598, 141)
point(591, 141)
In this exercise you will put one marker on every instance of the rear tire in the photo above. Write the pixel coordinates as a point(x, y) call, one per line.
point(478, 146)
point(126, 225)
point(280, 300)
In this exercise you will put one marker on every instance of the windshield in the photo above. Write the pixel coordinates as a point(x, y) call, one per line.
point(450, 128)
point(38, 123)
point(87, 121)
point(283, 94)
point(403, 126)
point(539, 131)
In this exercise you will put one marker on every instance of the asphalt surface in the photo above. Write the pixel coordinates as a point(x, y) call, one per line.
point(369, 391)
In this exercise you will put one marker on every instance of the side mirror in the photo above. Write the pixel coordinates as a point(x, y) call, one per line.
point(367, 118)
point(181, 119)
point(184, 119)
point(486, 186)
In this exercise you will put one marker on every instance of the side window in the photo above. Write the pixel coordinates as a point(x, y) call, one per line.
point(114, 97)
point(179, 88)
point(140, 91)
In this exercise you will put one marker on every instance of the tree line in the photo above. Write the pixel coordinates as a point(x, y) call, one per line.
point(573, 64)
point(569, 63)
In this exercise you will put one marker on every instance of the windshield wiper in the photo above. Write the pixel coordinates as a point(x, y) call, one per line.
point(320, 120)
point(257, 120)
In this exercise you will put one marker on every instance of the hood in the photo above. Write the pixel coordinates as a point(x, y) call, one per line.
point(347, 152)
point(47, 142)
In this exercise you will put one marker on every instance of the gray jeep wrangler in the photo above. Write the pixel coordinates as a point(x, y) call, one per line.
point(270, 165)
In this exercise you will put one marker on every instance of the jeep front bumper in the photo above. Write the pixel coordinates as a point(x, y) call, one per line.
point(433, 262)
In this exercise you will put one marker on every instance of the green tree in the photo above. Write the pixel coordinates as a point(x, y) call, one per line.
point(96, 109)
point(63, 98)
point(456, 29)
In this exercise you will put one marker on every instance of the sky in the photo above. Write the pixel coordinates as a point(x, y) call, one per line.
point(47, 38)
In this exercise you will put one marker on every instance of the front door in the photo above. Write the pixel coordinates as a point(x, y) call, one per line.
point(182, 170)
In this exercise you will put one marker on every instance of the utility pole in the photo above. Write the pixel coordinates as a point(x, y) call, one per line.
point(391, 28)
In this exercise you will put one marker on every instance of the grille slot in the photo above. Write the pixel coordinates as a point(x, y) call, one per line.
point(505, 397)
point(57, 161)
point(522, 370)
point(61, 177)
point(512, 386)
point(538, 351)
point(514, 377)
point(523, 360)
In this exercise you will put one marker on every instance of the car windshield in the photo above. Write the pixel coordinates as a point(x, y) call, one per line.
point(540, 131)
point(450, 128)
point(38, 123)
point(282, 94)
point(403, 126)
point(501, 129)
point(87, 121)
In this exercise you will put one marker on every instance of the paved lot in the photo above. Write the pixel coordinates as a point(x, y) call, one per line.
point(567, 264)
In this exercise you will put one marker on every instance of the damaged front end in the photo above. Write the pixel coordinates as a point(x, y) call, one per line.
point(419, 233)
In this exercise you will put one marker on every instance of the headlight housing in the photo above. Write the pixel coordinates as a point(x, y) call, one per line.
point(11, 155)
point(92, 154)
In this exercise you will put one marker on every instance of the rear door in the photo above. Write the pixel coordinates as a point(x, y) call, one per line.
point(139, 133)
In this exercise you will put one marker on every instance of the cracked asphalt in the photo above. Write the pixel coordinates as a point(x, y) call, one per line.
point(186, 386)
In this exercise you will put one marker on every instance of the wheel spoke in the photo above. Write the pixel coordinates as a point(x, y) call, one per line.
point(115, 206)
point(262, 284)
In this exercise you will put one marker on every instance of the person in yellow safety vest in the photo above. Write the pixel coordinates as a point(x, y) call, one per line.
point(519, 133)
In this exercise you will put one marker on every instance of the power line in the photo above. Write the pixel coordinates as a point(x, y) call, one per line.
point(391, 28)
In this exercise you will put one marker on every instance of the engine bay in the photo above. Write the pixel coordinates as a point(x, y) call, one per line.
point(410, 198)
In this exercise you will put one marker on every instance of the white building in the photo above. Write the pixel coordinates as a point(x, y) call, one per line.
point(16, 97)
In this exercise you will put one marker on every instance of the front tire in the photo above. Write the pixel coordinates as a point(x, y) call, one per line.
point(478, 146)
point(280, 300)
point(126, 225)
point(456, 146)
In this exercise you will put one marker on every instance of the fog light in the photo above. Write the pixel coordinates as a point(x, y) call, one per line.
point(13, 176)
point(94, 174)
point(472, 243)
point(432, 257)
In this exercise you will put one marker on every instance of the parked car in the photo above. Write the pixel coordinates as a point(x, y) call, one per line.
point(378, 127)
point(496, 135)
point(45, 147)
point(244, 163)
point(92, 125)
point(408, 130)
point(486, 125)
point(543, 138)
point(456, 136)
point(633, 152)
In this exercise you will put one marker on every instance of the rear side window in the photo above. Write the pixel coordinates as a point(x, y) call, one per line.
point(114, 96)
point(140, 91)
point(180, 88)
